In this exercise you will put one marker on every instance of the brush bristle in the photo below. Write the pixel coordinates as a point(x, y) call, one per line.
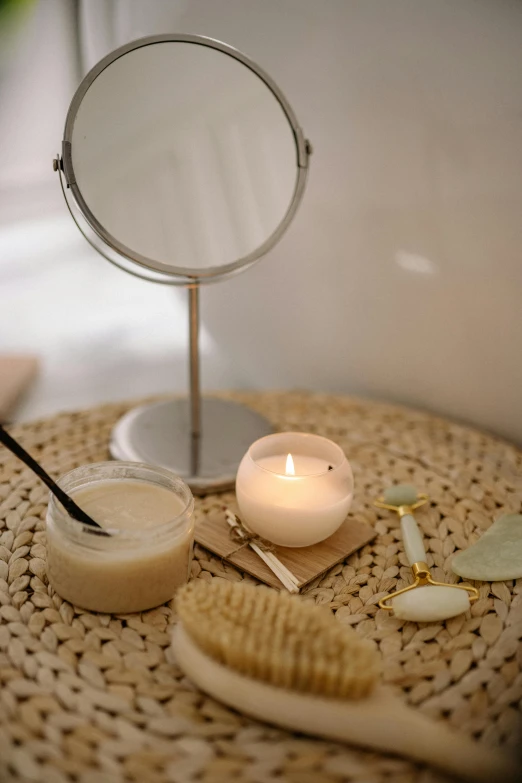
point(278, 639)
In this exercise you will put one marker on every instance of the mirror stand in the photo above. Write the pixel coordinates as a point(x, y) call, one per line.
point(190, 176)
point(194, 384)
point(201, 439)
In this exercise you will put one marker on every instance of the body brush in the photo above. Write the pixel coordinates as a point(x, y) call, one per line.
point(282, 660)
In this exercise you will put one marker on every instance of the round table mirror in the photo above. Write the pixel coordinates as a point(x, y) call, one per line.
point(183, 163)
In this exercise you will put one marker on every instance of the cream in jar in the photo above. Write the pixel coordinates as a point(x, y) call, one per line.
point(146, 556)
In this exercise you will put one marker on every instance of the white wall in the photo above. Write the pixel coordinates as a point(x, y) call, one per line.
point(401, 276)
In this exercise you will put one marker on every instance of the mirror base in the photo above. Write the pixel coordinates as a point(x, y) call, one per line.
point(159, 434)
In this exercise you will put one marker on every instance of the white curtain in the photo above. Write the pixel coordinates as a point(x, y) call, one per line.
point(43, 56)
point(38, 75)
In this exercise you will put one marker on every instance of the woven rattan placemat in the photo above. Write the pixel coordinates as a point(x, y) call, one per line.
point(97, 698)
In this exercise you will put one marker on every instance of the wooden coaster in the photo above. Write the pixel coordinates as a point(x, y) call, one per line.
point(306, 563)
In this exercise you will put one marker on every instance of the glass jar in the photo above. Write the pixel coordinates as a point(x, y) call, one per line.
point(126, 570)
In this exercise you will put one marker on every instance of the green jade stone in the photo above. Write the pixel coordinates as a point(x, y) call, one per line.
point(401, 495)
point(496, 556)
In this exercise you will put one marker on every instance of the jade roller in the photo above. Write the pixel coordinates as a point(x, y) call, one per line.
point(425, 600)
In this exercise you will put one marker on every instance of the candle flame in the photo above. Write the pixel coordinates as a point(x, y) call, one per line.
point(290, 470)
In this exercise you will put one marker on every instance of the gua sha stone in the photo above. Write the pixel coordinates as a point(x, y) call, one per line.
point(496, 556)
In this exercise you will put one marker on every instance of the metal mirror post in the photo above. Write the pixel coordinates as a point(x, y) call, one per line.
point(183, 163)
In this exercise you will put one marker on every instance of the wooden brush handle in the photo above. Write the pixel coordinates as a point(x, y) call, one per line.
point(380, 722)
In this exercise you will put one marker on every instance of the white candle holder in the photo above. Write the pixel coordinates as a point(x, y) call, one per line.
point(294, 510)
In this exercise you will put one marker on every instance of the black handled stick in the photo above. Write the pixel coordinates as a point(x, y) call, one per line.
point(67, 502)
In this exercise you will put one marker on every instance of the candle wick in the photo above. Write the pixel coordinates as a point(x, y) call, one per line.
point(330, 467)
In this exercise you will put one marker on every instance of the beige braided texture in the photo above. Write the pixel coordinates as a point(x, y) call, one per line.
point(97, 698)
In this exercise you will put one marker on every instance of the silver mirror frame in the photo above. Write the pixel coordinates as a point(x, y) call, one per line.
point(119, 253)
point(200, 439)
point(111, 255)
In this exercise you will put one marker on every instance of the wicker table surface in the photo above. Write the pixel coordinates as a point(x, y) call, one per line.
point(89, 697)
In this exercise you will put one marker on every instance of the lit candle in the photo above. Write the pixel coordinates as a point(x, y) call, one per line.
point(294, 489)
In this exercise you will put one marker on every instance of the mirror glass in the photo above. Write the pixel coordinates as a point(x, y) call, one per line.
point(184, 155)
